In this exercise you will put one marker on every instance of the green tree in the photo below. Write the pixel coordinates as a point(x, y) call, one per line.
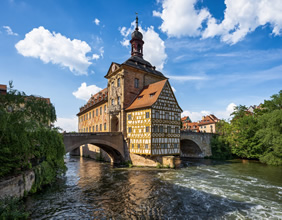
point(27, 136)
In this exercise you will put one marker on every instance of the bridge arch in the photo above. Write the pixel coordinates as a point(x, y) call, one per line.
point(190, 148)
point(112, 144)
point(194, 144)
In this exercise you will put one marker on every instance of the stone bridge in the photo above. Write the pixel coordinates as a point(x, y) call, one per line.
point(111, 142)
point(193, 144)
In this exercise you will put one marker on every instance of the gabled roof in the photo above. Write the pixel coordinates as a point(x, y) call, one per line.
point(111, 69)
point(148, 95)
point(209, 119)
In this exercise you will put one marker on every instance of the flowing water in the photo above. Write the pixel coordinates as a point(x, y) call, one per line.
point(201, 189)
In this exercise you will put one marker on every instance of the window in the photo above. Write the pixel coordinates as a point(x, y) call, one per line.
point(100, 127)
point(118, 82)
point(162, 145)
point(105, 126)
point(147, 114)
point(89, 129)
point(136, 83)
point(93, 114)
point(152, 94)
point(138, 146)
point(105, 108)
point(112, 101)
point(86, 129)
point(84, 118)
point(147, 128)
point(129, 117)
point(96, 127)
point(169, 129)
point(146, 146)
point(166, 115)
point(176, 130)
point(165, 145)
point(175, 145)
point(96, 112)
point(129, 130)
point(112, 84)
point(140, 97)
point(93, 128)
point(89, 115)
point(161, 129)
point(132, 146)
point(157, 114)
point(101, 110)
point(156, 128)
point(119, 100)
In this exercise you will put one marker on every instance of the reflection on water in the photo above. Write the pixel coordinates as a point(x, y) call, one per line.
point(202, 189)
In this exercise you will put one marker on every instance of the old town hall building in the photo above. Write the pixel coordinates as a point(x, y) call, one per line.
point(138, 102)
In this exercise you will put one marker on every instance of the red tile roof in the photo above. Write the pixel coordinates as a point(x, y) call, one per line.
point(148, 95)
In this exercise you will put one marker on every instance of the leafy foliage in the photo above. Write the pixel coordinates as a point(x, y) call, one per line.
point(27, 136)
point(255, 135)
point(12, 209)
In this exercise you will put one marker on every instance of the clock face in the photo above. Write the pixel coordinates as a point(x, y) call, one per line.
point(113, 68)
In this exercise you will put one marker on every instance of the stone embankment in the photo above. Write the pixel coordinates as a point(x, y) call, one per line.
point(16, 186)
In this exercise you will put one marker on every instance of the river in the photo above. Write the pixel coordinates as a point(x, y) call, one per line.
point(201, 189)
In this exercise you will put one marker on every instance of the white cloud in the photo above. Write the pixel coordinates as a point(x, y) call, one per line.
point(84, 92)
point(67, 124)
point(95, 56)
point(96, 21)
point(180, 18)
point(197, 116)
point(244, 16)
point(226, 114)
point(56, 48)
point(9, 31)
point(154, 46)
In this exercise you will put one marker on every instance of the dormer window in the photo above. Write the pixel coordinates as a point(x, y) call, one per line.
point(152, 94)
point(140, 97)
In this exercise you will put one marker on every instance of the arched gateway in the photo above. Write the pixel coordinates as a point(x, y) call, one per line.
point(111, 142)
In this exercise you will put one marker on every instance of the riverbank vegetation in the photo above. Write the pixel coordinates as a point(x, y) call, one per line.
point(252, 135)
point(27, 137)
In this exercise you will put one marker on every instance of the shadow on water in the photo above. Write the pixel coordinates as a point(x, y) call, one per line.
point(94, 190)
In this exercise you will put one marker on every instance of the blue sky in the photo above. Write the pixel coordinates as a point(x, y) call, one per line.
point(217, 54)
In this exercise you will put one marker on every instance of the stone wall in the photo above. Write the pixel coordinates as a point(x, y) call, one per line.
point(154, 161)
point(94, 152)
point(15, 186)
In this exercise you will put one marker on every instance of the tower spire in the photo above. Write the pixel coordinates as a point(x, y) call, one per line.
point(136, 41)
point(136, 28)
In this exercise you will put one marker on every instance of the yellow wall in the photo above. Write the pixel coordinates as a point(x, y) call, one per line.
point(209, 128)
point(139, 137)
point(93, 122)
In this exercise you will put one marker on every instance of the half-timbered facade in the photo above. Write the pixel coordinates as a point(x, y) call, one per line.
point(153, 121)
